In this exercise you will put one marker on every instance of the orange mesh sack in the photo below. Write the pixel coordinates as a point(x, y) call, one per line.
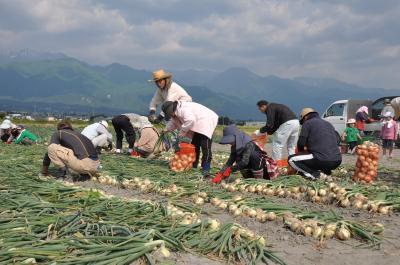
point(367, 162)
point(261, 140)
point(187, 149)
point(184, 158)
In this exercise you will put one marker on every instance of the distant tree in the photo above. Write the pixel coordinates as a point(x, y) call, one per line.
point(96, 117)
point(3, 114)
point(222, 120)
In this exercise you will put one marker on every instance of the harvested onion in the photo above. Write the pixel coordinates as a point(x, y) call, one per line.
point(343, 234)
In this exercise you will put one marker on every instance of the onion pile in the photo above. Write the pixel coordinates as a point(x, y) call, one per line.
point(332, 193)
point(367, 162)
point(182, 162)
point(242, 210)
point(316, 230)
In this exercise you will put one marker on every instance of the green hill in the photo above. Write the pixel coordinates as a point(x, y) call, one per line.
point(72, 82)
point(119, 88)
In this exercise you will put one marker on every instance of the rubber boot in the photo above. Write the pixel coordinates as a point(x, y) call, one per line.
point(205, 169)
point(45, 170)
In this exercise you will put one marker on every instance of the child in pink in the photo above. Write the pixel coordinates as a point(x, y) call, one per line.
point(389, 133)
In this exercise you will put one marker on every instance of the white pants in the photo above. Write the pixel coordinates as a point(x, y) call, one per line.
point(100, 140)
point(287, 134)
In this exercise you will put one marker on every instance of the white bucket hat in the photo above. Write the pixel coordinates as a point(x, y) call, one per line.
point(141, 122)
point(104, 123)
point(351, 121)
point(6, 124)
point(144, 122)
point(388, 114)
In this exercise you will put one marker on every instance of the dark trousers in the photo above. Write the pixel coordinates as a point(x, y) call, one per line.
point(310, 166)
point(26, 141)
point(352, 145)
point(4, 137)
point(122, 124)
point(142, 153)
point(255, 169)
point(202, 142)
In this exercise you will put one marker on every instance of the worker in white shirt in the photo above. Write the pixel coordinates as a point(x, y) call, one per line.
point(167, 90)
point(99, 135)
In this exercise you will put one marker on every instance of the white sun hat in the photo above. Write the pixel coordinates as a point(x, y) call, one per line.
point(104, 123)
point(6, 124)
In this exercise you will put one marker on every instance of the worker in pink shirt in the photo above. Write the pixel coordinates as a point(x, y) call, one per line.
point(389, 133)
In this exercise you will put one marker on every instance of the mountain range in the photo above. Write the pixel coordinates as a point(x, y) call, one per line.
point(56, 82)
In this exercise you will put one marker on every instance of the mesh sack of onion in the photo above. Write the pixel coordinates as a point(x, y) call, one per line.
point(184, 158)
point(367, 162)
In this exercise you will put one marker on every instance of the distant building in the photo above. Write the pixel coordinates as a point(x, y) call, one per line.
point(255, 123)
point(16, 116)
point(51, 118)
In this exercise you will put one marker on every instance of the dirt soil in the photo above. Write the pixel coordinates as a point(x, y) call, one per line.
point(298, 249)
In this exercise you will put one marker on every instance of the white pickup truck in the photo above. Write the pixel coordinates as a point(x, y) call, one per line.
point(342, 110)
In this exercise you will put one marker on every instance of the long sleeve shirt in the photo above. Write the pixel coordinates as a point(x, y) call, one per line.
point(361, 119)
point(321, 140)
point(390, 130)
point(277, 114)
point(240, 159)
point(95, 130)
point(173, 93)
point(77, 142)
point(193, 117)
point(25, 134)
point(148, 139)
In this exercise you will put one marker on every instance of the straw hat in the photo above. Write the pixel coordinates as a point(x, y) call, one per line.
point(305, 112)
point(350, 121)
point(159, 75)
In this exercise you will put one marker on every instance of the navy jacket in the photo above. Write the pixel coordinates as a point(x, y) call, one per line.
point(320, 138)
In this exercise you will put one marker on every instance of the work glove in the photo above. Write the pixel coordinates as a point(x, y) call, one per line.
point(152, 116)
point(135, 154)
point(227, 172)
point(110, 146)
point(217, 179)
point(159, 119)
point(224, 173)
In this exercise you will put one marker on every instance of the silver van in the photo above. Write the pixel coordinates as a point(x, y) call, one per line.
point(340, 111)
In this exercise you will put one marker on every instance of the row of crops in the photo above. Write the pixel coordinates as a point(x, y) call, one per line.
point(45, 221)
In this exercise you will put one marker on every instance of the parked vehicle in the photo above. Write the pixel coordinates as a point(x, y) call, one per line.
point(342, 110)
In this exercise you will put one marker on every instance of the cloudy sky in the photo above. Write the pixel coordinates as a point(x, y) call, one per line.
point(357, 41)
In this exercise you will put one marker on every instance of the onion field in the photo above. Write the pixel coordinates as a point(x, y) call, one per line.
point(137, 211)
